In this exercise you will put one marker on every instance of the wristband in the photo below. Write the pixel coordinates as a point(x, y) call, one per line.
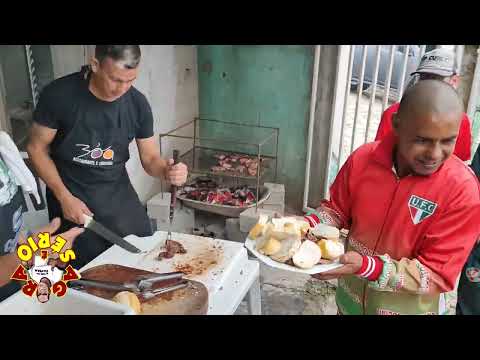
point(371, 268)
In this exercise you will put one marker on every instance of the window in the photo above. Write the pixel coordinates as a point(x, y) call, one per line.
point(26, 70)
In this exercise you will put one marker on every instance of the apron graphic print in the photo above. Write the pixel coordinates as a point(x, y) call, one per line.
point(420, 208)
point(96, 155)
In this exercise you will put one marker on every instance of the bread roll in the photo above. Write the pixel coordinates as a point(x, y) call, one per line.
point(292, 229)
point(331, 249)
point(304, 227)
point(130, 299)
point(308, 255)
point(256, 231)
point(271, 246)
point(289, 247)
point(325, 231)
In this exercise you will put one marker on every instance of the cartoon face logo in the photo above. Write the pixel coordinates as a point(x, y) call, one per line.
point(43, 290)
point(44, 277)
point(473, 274)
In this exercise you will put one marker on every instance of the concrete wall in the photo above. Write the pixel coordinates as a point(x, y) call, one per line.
point(17, 83)
point(168, 78)
point(67, 59)
point(267, 85)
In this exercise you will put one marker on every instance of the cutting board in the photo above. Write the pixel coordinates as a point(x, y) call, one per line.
point(191, 300)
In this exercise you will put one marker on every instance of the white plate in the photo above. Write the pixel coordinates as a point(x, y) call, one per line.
point(250, 245)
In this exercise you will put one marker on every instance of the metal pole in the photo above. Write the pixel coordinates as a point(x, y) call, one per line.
point(276, 153)
point(160, 146)
point(345, 104)
point(472, 100)
point(337, 94)
point(422, 52)
point(404, 72)
point(259, 149)
point(459, 49)
point(194, 142)
point(359, 95)
point(389, 78)
point(374, 90)
point(313, 101)
point(32, 76)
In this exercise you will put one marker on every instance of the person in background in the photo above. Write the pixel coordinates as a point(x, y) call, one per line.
point(437, 64)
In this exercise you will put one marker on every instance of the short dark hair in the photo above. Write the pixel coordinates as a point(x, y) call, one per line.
point(128, 54)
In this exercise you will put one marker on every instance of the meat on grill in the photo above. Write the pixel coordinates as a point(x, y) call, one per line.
point(236, 164)
point(208, 191)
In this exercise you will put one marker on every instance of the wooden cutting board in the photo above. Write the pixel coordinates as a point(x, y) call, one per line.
point(191, 300)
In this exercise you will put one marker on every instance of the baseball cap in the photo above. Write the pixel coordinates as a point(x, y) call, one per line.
point(439, 61)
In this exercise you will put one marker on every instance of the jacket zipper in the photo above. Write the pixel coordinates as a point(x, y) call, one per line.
point(397, 179)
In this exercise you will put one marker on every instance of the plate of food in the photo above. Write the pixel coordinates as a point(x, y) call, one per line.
point(288, 243)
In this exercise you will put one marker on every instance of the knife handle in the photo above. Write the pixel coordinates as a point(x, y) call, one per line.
point(173, 188)
point(103, 285)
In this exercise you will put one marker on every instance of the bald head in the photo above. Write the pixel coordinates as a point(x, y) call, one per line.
point(430, 98)
point(426, 127)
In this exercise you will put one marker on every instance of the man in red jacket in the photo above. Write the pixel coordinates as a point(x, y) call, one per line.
point(411, 210)
point(437, 64)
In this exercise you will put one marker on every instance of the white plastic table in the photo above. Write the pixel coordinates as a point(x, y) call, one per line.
point(232, 278)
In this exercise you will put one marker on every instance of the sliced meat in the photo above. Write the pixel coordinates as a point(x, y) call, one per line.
point(171, 248)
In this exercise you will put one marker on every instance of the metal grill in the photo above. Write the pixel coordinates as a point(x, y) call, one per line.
point(32, 75)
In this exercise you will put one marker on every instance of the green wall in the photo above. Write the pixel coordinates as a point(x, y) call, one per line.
point(266, 85)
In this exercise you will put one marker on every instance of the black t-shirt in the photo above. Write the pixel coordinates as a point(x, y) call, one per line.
point(68, 99)
point(90, 149)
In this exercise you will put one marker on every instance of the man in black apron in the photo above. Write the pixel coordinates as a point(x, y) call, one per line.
point(83, 125)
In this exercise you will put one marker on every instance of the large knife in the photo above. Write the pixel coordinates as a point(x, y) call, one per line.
point(173, 197)
point(108, 235)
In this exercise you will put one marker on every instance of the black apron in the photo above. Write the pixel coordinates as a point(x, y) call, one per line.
point(91, 161)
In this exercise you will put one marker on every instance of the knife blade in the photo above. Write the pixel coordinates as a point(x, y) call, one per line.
point(109, 235)
point(173, 197)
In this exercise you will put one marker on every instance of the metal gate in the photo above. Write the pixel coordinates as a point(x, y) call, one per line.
point(377, 77)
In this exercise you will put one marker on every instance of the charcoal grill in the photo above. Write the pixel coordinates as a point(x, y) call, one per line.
point(200, 139)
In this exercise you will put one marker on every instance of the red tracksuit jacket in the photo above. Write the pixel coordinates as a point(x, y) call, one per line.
point(431, 221)
point(464, 141)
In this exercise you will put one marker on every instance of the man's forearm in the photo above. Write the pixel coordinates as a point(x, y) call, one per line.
point(8, 264)
point(156, 167)
point(46, 169)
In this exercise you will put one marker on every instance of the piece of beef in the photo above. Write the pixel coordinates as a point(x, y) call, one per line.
point(171, 248)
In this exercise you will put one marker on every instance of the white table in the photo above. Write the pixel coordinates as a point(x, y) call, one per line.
point(233, 277)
